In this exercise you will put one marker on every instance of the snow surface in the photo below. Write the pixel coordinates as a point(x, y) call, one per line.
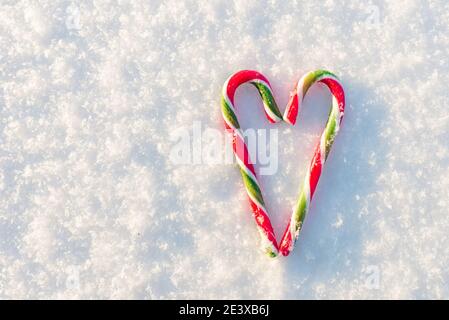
point(92, 207)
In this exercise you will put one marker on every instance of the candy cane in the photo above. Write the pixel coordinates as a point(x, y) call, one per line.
point(321, 150)
point(251, 183)
point(247, 171)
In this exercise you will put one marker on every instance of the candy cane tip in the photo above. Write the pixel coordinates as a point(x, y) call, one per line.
point(272, 254)
point(274, 120)
point(289, 120)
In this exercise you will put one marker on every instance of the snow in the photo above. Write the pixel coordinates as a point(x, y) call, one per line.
point(92, 207)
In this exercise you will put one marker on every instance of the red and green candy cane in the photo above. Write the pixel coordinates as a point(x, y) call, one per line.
point(273, 114)
point(321, 151)
point(269, 244)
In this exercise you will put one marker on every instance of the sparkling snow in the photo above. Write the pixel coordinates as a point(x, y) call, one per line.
point(92, 207)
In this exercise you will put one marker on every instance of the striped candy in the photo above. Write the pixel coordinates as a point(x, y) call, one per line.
point(321, 151)
point(252, 186)
point(273, 114)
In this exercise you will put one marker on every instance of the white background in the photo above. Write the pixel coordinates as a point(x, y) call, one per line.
point(92, 207)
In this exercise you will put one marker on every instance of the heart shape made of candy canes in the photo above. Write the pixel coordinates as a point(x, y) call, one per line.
point(252, 186)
